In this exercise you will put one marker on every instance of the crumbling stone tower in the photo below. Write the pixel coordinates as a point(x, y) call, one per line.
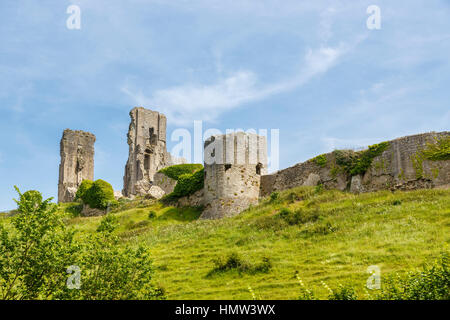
point(147, 150)
point(234, 164)
point(77, 162)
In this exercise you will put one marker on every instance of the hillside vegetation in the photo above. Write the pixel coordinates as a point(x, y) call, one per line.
point(318, 238)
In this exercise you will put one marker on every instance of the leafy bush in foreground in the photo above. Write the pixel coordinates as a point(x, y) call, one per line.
point(430, 283)
point(37, 250)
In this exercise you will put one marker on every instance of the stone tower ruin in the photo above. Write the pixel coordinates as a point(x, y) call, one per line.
point(77, 162)
point(234, 164)
point(147, 150)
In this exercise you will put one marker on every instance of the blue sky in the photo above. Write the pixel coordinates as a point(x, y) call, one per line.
point(309, 68)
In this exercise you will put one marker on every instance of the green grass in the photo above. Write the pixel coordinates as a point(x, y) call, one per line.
point(332, 236)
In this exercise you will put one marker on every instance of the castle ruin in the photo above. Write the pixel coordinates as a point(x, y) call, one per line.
point(234, 164)
point(147, 151)
point(235, 167)
point(77, 162)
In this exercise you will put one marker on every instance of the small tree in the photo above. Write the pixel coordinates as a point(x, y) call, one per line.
point(33, 255)
point(110, 271)
point(37, 249)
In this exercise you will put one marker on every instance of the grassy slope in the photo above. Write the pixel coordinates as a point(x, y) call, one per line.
point(352, 233)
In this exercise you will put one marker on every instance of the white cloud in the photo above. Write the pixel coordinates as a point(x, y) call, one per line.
point(185, 103)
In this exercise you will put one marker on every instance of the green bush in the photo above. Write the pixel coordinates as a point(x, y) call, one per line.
point(321, 160)
point(343, 293)
point(37, 249)
point(274, 196)
point(84, 186)
point(98, 194)
point(29, 200)
point(176, 171)
point(108, 224)
point(430, 283)
point(365, 158)
point(152, 215)
point(187, 184)
point(354, 163)
point(439, 150)
point(75, 210)
point(300, 216)
point(233, 262)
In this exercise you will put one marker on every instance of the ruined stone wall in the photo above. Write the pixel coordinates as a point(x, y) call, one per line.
point(404, 167)
point(400, 166)
point(147, 150)
point(77, 162)
point(234, 164)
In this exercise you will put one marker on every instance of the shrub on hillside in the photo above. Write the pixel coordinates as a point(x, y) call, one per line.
point(29, 200)
point(98, 194)
point(108, 224)
point(299, 216)
point(187, 184)
point(176, 171)
point(274, 196)
point(84, 186)
point(152, 214)
point(343, 293)
point(233, 262)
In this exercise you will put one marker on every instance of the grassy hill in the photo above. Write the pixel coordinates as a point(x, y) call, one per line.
point(314, 234)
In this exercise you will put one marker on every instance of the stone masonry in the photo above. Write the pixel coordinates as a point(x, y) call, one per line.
point(400, 167)
point(234, 164)
point(147, 150)
point(77, 162)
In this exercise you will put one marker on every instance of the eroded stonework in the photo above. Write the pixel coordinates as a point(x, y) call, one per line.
point(77, 162)
point(400, 167)
point(147, 151)
point(166, 183)
point(234, 164)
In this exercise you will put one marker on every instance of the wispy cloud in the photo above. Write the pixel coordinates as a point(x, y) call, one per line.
point(185, 103)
